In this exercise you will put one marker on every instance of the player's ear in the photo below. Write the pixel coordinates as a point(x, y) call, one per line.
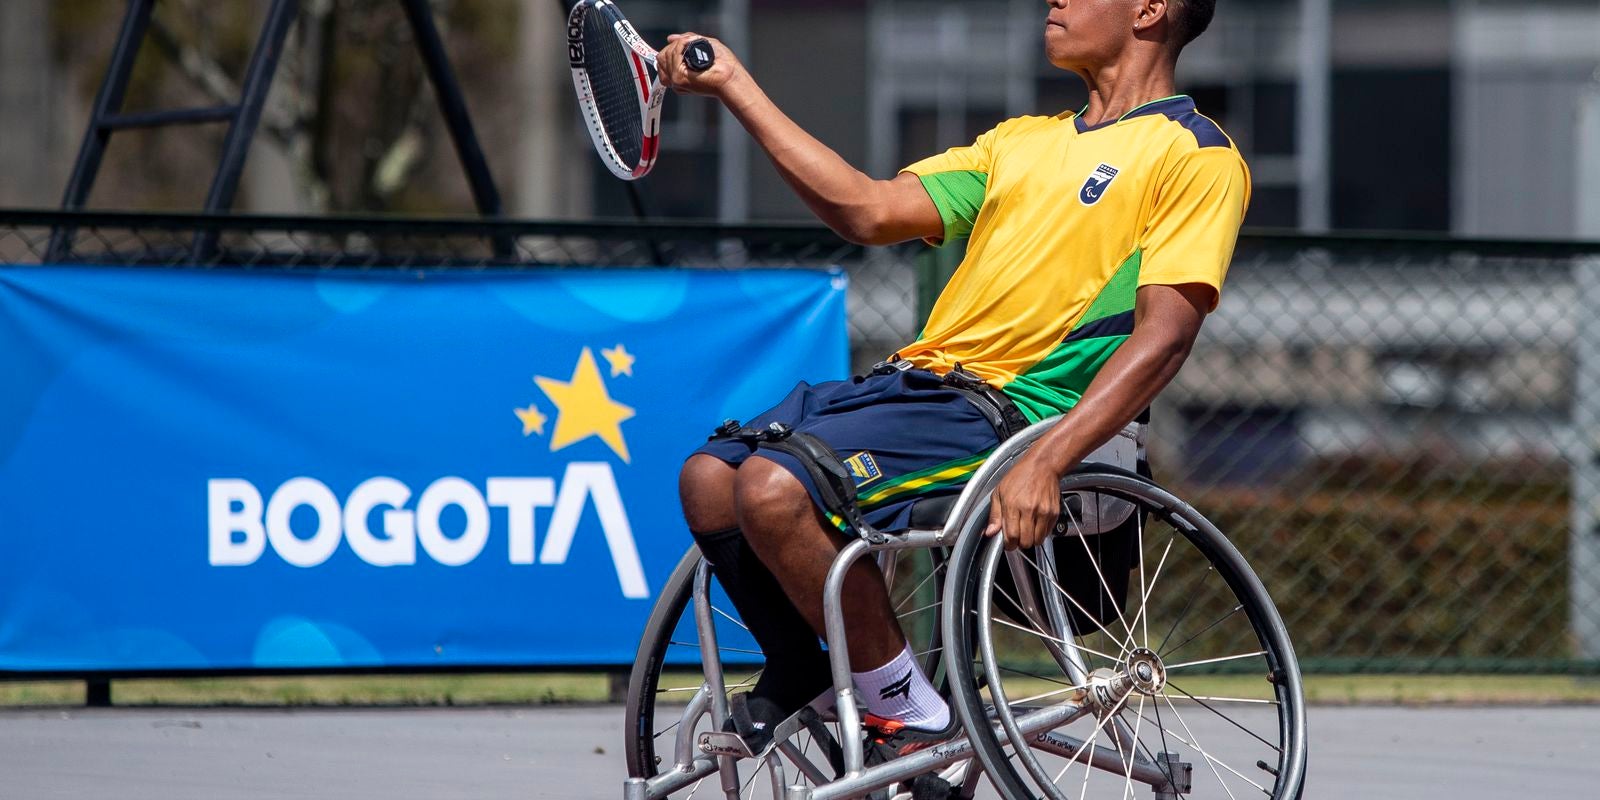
point(1150, 14)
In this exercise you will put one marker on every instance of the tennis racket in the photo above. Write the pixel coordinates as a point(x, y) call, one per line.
point(619, 86)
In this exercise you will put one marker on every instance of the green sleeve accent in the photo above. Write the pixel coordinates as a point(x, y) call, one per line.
point(1119, 293)
point(958, 196)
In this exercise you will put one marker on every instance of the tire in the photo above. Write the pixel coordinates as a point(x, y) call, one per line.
point(639, 729)
point(1193, 603)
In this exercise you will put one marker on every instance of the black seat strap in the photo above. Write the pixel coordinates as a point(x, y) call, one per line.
point(1003, 414)
point(834, 483)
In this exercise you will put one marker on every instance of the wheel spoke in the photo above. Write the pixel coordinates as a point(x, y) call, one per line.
point(1165, 748)
point(904, 614)
point(1018, 604)
point(730, 618)
point(1031, 675)
point(1197, 697)
point(1086, 747)
point(667, 730)
point(1095, 562)
point(1218, 660)
point(750, 681)
point(1127, 763)
point(754, 773)
point(1047, 694)
point(1231, 721)
point(720, 648)
point(1166, 769)
point(1142, 618)
point(1213, 761)
point(924, 582)
point(1091, 617)
point(1087, 770)
point(1193, 595)
point(1144, 588)
point(1205, 630)
point(1043, 635)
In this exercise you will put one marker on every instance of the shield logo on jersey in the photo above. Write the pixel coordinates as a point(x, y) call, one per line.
point(1095, 188)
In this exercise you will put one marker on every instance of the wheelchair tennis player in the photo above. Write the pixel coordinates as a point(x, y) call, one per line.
point(1097, 243)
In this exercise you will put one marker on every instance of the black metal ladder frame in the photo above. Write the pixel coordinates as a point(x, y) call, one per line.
point(106, 116)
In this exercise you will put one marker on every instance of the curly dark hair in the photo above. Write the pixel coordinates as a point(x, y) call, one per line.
point(1190, 18)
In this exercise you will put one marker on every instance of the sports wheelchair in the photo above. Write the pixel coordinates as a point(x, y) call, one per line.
point(1097, 664)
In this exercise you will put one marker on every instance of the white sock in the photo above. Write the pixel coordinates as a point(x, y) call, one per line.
point(899, 691)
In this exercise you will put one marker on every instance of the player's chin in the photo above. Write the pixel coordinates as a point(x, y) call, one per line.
point(1058, 49)
point(1061, 57)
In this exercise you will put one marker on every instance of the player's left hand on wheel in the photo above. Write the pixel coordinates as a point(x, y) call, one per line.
point(677, 75)
point(1026, 504)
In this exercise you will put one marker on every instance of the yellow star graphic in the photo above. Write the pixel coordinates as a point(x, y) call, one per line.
point(584, 408)
point(532, 420)
point(621, 360)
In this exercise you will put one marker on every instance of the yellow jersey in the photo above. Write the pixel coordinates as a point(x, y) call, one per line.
point(1065, 222)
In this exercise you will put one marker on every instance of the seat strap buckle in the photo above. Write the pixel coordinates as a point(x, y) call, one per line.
point(729, 429)
point(892, 365)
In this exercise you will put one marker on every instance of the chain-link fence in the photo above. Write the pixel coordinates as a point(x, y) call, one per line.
point(883, 285)
point(1400, 434)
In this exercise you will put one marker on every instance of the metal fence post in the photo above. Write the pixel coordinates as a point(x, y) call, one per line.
point(97, 693)
point(1585, 545)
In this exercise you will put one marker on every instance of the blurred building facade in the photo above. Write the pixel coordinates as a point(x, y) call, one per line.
point(1427, 115)
point(1455, 116)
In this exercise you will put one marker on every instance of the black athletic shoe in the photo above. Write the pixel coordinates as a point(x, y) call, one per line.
point(754, 719)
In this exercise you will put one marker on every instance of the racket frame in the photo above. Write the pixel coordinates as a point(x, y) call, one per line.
point(647, 77)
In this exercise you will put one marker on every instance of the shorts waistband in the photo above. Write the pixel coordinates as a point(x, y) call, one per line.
point(1003, 414)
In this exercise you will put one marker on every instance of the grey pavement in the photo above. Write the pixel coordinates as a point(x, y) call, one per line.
point(575, 752)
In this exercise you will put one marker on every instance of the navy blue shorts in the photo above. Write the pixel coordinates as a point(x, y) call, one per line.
point(904, 436)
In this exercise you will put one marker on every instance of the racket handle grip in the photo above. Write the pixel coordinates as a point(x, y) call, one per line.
point(699, 55)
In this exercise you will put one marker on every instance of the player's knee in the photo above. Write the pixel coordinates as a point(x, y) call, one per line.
point(705, 488)
point(765, 491)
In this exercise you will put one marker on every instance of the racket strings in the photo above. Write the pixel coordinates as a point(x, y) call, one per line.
point(617, 87)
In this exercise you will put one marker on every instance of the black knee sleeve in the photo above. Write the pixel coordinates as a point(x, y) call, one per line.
point(797, 668)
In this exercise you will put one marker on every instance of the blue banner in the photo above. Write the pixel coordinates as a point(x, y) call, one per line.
point(226, 469)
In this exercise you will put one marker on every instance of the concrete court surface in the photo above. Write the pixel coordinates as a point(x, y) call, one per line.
point(575, 752)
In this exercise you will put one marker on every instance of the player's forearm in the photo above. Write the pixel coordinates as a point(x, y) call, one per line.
point(844, 198)
point(1124, 387)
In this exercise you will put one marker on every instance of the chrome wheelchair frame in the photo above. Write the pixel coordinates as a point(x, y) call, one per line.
point(1101, 692)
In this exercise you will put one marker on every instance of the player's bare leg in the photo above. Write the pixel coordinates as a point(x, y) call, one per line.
point(797, 668)
point(783, 526)
point(705, 486)
point(777, 525)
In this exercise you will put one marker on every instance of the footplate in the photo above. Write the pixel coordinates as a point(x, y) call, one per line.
point(728, 743)
point(725, 743)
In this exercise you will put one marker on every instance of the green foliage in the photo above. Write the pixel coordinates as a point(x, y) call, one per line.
point(1409, 560)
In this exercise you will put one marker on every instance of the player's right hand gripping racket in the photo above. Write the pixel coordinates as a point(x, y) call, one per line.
point(619, 86)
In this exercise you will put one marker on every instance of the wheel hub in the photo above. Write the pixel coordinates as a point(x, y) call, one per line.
point(1143, 672)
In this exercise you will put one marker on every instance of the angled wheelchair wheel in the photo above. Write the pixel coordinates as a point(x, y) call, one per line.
point(666, 709)
point(1148, 661)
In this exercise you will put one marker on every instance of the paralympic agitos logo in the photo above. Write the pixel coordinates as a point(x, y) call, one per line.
point(243, 522)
